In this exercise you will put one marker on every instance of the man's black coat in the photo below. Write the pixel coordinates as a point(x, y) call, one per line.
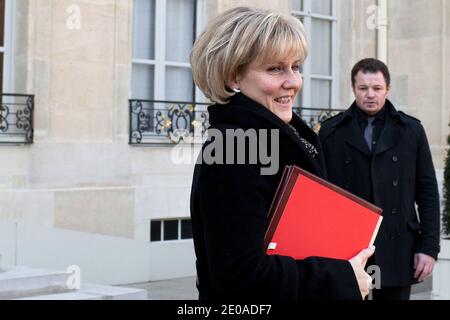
point(401, 174)
point(229, 207)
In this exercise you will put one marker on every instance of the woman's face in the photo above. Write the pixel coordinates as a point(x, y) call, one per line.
point(273, 84)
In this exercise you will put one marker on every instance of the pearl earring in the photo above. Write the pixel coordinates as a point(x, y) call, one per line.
point(237, 90)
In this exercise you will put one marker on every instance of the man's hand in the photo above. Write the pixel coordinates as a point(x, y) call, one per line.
point(423, 264)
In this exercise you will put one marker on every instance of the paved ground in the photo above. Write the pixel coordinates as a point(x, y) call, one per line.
point(176, 289)
point(184, 289)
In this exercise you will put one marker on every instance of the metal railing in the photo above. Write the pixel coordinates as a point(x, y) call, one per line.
point(157, 121)
point(16, 118)
point(315, 116)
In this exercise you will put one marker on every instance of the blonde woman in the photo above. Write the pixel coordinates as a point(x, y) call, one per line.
point(248, 62)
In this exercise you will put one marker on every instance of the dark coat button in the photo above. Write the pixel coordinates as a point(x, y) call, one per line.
point(395, 183)
point(395, 158)
point(348, 161)
point(394, 211)
point(347, 185)
point(392, 236)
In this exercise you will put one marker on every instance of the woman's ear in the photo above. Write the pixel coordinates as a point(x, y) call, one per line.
point(232, 82)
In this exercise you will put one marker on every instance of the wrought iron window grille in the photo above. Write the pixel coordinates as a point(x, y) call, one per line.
point(156, 121)
point(172, 122)
point(16, 118)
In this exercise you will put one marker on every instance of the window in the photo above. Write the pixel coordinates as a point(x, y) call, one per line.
point(155, 231)
point(164, 32)
point(6, 9)
point(186, 229)
point(320, 70)
point(167, 230)
point(2, 40)
point(163, 35)
point(170, 228)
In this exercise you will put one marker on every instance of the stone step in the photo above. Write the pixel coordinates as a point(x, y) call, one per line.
point(95, 292)
point(17, 282)
point(25, 283)
point(65, 296)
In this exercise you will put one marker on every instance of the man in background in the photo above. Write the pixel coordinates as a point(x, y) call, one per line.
point(382, 155)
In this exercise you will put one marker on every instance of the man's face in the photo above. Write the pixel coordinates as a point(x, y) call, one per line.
point(370, 91)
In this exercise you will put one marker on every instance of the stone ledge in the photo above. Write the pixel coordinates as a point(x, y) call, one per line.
point(17, 282)
point(95, 292)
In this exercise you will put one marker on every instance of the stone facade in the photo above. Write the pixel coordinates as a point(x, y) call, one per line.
point(417, 56)
point(81, 174)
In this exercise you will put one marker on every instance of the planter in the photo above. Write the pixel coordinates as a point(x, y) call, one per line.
point(441, 273)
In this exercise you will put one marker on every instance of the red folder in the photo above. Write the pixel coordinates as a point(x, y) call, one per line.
point(312, 217)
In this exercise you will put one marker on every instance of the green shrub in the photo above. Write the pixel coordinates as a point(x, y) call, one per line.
point(446, 212)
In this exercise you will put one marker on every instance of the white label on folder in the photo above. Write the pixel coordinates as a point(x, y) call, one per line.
point(272, 246)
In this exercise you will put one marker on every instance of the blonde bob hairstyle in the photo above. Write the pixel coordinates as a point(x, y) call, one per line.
point(238, 37)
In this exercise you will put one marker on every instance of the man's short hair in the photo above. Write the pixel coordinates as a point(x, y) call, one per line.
point(371, 65)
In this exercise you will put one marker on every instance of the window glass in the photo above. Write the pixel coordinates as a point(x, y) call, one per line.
point(186, 229)
point(144, 29)
point(322, 7)
point(179, 29)
point(321, 47)
point(170, 230)
point(155, 230)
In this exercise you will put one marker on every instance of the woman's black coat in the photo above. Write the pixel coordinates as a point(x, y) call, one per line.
point(229, 207)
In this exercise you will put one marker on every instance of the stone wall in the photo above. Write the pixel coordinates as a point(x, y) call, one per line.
point(81, 174)
point(418, 53)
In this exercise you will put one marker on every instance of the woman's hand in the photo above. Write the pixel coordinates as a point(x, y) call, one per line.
point(358, 263)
